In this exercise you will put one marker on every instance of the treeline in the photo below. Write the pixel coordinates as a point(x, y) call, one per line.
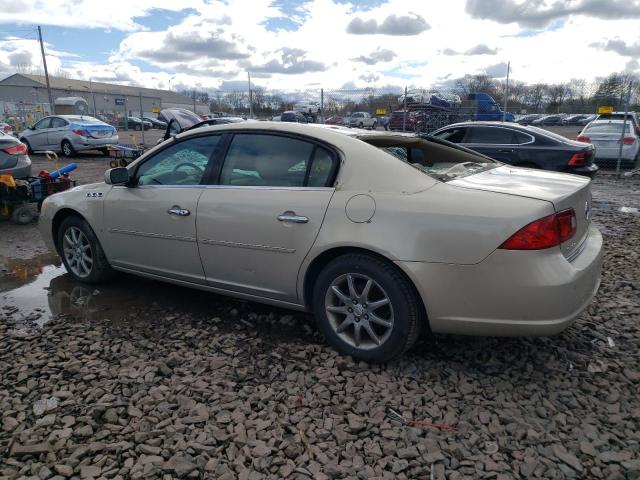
point(574, 96)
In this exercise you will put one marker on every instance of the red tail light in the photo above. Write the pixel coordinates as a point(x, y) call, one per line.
point(582, 138)
point(628, 140)
point(578, 159)
point(544, 233)
point(80, 132)
point(20, 149)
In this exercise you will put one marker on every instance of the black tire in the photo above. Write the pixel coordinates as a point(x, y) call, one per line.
point(67, 149)
point(22, 215)
point(406, 307)
point(105, 151)
point(26, 142)
point(100, 270)
point(138, 128)
point(360, 125)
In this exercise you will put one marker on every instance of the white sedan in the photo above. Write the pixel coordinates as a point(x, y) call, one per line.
point(380, 235)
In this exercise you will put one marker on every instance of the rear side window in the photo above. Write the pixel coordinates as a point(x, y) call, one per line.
point(491, 136)
point(262, 160)
point(57, 123)
point(521, 138)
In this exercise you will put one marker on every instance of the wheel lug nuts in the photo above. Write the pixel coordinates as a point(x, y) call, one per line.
point(366, 317)
point(350, 310)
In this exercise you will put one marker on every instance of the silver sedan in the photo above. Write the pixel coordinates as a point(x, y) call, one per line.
point(381, 235)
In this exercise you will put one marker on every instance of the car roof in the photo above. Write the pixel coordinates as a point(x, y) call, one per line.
point(487, 123)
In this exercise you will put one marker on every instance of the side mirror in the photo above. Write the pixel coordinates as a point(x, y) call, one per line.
point(116, 176)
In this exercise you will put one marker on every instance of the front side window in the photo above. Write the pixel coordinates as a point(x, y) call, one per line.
point(183, 163)
point(276, 161)
point(453, 135)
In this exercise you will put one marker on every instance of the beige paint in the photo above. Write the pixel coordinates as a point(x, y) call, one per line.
point(444, 236)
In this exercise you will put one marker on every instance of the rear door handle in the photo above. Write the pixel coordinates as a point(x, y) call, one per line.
point(291, 217)
point(180, 212)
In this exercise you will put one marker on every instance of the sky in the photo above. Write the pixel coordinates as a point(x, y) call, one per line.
point(304, 44)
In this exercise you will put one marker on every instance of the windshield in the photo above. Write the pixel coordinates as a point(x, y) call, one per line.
point(434, 157)
point(607, 128)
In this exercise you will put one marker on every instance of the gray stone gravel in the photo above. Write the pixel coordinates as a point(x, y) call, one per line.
point(157, 394)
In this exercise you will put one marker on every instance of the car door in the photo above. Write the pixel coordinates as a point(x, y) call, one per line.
point(257, 225)
point(150, 226)
point(56, 132)
point(496, 142)
point(37, 137)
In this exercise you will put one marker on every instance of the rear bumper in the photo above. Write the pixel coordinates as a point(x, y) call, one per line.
point(88, 143)
point(510, 293)
point(22, 169)
point(588, 170)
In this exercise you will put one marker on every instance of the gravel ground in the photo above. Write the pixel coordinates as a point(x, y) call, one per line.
point(144, 380)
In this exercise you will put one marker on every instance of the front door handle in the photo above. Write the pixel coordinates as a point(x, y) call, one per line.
point(180, 212)
point(290, 216)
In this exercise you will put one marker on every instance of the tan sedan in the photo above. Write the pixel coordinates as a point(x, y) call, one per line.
point(380, 235)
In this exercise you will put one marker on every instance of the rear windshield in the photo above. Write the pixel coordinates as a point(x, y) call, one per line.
point(607, 128)
point(438, 159)
point(83, 120)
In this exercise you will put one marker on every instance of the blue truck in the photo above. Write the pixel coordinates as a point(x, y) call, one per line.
point(486, 108)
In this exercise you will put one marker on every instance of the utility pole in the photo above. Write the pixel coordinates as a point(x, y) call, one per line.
point(46, 71)
point(404, 108)
point(322, 105)
point(250, 96)
point(141, 115)
point(506, 94)
point(624, 129)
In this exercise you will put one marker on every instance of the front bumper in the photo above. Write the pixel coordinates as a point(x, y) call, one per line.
point(510, 293)
point(89, 143)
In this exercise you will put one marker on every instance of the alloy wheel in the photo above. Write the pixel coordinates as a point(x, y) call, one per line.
point(77, 252)
point(359, 311)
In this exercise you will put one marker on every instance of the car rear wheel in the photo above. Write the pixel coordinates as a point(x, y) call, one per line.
point(81, 252)
point(67, 149)
point(22, 214)
point(366, 308)
point(26, 142)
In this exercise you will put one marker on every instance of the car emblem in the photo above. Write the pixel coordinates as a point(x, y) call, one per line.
point(587, 210)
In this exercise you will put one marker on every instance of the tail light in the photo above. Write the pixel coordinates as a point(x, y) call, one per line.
point(544, 233)
point(20, 149)
point(82, 133)
point(628, 140)
point(578, 159)
point(582, 138)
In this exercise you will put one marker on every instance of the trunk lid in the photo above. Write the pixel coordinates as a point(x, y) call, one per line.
point(562, 190)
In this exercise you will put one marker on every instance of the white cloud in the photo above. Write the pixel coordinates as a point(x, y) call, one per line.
point(219, 43)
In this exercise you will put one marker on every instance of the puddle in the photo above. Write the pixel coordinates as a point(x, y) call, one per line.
point(34, 291)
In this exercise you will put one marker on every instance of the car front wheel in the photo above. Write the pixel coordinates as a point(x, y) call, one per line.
point(67, 149)
point(81, 252)
point(366, 308)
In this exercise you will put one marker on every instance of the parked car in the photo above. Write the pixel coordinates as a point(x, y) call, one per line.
point(586, 120)
point(308, 108)
point(155, 123)
point(6, 128)
point(573, 119)
point(133, 123)
point(14, 157)
point(548, 120)
point(180, 120)
point(69, 134)
point(293, 116)
point(334, 120)
point(522, 146)
point(309, 216)
point(363, 120)
point(410, 122)
point(631, 117)
point(527, 119)
point(605, 136)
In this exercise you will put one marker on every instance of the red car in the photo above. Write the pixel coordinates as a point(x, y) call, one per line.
point(335, 120)
point(413, 122)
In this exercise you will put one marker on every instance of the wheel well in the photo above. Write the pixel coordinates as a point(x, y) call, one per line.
point(58, 218)
point(324, 258)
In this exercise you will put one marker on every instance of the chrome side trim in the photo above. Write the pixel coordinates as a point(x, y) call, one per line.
point(227, 187)
point(152, 235)
point(268, 248)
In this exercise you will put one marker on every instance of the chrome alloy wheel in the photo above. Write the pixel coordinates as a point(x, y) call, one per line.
point(77, 252)
point(359, 311)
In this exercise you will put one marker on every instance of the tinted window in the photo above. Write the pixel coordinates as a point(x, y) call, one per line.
point(521, 137)
point(491, 136)
point(183, 163)
point(57, 123)
point(44, 123)
point(453, 135)
point(275, 161)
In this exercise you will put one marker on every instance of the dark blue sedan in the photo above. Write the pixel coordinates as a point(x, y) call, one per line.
point(524, 146)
